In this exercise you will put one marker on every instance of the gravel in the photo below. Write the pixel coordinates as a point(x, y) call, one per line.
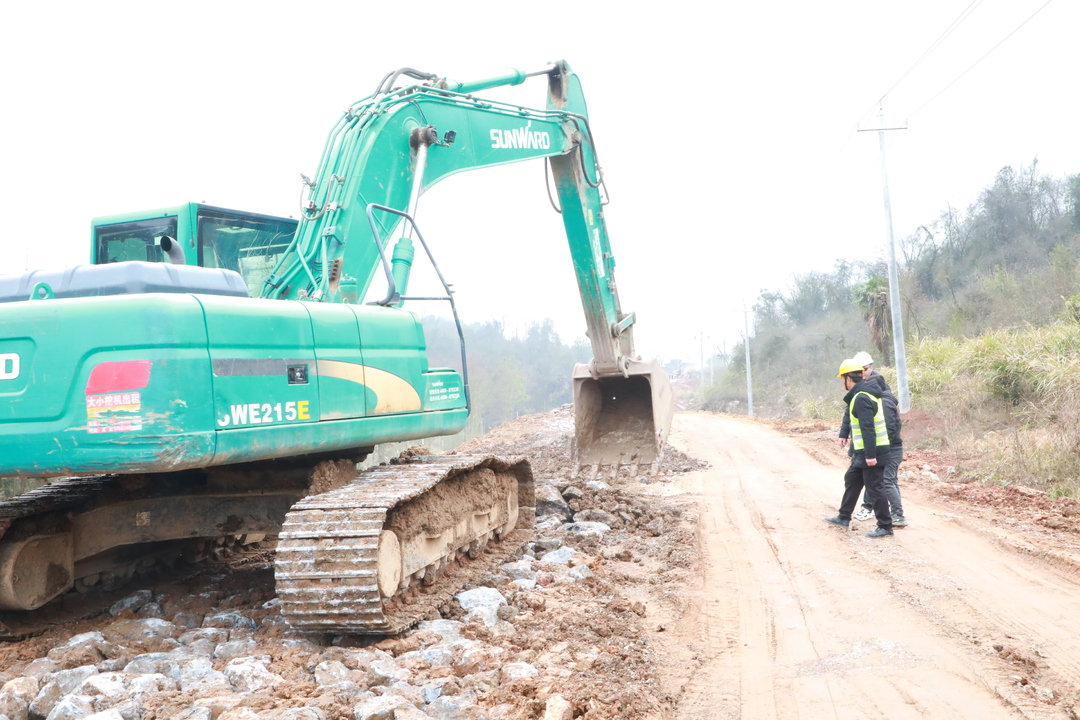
point(549, 634)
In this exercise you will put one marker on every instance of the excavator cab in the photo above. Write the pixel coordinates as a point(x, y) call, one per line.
point(212, 237)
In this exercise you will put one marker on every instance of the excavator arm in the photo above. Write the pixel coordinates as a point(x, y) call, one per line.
point(388, 149)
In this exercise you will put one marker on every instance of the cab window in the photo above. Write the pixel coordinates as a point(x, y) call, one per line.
point(250, 245)
point(140, 240)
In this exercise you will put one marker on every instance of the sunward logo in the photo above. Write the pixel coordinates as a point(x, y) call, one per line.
point(9, 366)
point(523, 138)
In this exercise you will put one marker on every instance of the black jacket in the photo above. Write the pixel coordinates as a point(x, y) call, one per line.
point(865, 409)
point(890, 406)
point(876, 377)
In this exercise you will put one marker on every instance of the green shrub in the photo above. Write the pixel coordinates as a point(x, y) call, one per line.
point(1063, 489)
point(820, 408)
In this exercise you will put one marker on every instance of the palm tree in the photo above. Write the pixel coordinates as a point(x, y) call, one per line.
point(873, 299)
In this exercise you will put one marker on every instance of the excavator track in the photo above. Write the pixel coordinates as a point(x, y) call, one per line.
point(149, 564)
point(345, 564)
point(72, 541)
point(75, 606)
point(57, 494)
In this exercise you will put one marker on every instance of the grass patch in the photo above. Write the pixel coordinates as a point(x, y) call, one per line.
point(1064, 490)
point(820, 408)
point(1007, 402)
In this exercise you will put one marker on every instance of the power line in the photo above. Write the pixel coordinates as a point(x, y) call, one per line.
point(941, 38)
point(926, 53)
point(958, 77)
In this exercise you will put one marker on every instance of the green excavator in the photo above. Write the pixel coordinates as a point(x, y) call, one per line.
point(215, 374)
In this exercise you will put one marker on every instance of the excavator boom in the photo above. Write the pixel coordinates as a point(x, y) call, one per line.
point(387, 150)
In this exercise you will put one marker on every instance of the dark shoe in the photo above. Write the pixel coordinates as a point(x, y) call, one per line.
point(879, 532)
point(838, 521)
point(898, 521)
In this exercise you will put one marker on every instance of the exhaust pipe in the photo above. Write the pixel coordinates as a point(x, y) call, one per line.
point(622, 419)
point(173, 250)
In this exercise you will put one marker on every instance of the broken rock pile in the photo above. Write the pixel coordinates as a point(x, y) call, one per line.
point(561, 631)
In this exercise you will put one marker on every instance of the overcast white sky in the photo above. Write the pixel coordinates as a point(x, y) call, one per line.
point(724, 130)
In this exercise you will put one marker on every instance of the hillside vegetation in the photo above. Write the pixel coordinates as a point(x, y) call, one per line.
point(991, 315)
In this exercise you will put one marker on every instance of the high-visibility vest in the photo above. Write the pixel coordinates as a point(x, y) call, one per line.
point(881, 432)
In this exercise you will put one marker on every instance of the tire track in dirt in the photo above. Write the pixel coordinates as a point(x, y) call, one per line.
point(762, 567)
point(1016, 607)
point(713, 619)
point(832, 624)
point(756, 621)
point(1021, 605)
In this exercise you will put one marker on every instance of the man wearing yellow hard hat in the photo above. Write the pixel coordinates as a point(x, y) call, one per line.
point(870, 446)
point(896, 445)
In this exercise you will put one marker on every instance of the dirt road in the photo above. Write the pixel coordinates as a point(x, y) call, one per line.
point(697, 593)
point(795, 618)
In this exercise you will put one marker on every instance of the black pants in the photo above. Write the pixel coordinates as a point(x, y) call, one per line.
point(892, 482)
point(860, 475)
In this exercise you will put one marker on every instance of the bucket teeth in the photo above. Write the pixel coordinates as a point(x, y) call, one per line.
point(327, 566)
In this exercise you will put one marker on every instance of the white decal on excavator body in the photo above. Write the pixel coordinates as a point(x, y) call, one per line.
point(524, 138)
point(9, 366)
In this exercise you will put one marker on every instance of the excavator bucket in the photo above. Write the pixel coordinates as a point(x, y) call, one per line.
point(622, 419)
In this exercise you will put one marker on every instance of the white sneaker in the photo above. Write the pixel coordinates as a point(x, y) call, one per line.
point(863, 514)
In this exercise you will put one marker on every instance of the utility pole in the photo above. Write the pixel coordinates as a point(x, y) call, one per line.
point(903, 396)
point(723, 352)
point(749, 378)
point(701, 357)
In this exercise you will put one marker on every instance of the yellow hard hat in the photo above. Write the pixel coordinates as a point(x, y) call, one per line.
point(849, 366)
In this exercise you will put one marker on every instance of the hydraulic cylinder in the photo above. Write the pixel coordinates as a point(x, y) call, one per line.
point(402, 265)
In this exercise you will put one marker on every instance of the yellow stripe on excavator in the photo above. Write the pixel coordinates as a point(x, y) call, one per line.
point(394, 394)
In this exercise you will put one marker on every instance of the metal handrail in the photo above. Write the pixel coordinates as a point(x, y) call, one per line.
point(392, 296)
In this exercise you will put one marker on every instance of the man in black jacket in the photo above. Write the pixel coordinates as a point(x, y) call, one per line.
point(896, 446)
point(870, 445)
